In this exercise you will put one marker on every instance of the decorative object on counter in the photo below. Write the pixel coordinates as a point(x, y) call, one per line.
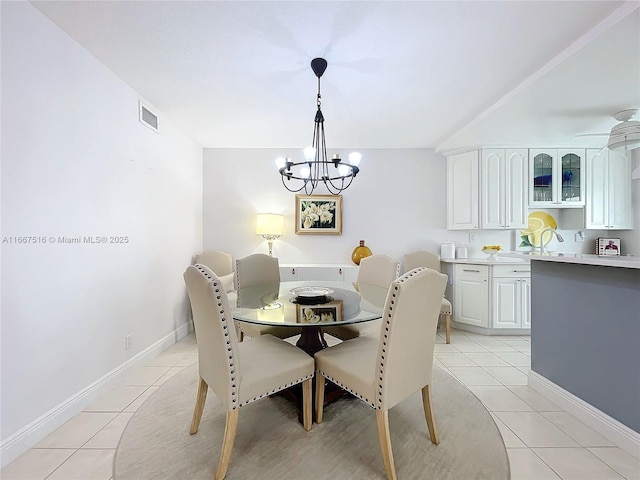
point(532, 237)
point(269, 225)
point(319, 215)
point(607, 246)
point(461, 252)
point(491, 250)
point(360, 252)
point(447, 250)
point(335, 174)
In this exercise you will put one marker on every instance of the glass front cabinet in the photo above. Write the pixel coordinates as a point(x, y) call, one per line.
point(556, 178)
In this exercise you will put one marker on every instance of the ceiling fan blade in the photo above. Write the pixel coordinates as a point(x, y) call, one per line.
point(592, 135)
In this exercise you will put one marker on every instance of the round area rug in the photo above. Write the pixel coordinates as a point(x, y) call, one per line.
point(270, 443)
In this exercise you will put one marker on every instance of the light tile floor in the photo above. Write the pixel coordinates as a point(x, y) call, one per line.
point(543, 442)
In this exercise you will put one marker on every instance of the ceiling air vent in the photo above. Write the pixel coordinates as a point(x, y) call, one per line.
point(147, 117)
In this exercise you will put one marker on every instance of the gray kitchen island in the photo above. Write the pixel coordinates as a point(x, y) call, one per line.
point(585, 338)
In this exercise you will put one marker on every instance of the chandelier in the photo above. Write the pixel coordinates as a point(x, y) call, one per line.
point(335, 174)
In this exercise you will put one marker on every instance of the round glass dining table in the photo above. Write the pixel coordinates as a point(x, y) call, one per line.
point(308, 306)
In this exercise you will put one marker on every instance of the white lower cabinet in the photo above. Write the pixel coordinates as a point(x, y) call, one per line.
point(511, 297)
point(471, 290)
point(332, 273)
point(492, 298)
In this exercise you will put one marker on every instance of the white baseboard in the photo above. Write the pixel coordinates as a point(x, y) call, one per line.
point(29, 435)
point(621, 435)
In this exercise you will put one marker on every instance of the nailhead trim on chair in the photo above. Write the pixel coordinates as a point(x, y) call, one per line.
point(225, 328)
point(385, 336)
point(276, 390)
point(344, 387)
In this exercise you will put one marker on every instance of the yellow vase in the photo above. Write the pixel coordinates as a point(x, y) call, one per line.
point(360, 252)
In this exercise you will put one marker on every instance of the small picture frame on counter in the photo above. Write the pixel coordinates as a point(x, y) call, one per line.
point(607, 247)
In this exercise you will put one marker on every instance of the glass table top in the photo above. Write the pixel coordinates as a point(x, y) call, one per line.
point(275, 304)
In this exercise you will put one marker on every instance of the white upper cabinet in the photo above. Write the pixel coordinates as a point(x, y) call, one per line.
point(608, 204)
point(487, 189)
point(503, 175)
point(556, 178)
point(462, 191)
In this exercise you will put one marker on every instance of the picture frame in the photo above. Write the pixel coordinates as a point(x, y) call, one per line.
point(606, 247)
point(318, 215)
point(326, 313)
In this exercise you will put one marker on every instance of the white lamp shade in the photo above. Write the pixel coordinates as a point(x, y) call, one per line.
point(354, 158)
point(269, 224)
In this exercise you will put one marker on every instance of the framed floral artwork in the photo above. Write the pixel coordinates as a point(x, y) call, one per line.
point(319, 214)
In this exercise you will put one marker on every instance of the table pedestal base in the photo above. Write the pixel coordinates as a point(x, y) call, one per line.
point(311, 340)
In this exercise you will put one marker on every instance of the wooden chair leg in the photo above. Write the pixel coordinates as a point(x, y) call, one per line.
point(428, 414)
point(382, 419)
point(447, 326)
point(319, 396)
point(307, 400)
point(201, 398)
point(227, 443)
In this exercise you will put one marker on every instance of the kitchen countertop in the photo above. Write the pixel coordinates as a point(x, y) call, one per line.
point(627, 261)
point(501, 260)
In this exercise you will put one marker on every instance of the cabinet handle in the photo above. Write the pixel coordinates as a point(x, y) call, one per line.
point(340, 271)
point(293, 271)
point(475, 271)
point(521, 271)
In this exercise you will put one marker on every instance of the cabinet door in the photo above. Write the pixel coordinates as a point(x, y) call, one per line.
point(492, 189)
point(462, 191)
point(471, 300)
point(570, 178)
point(288, 273)
point(504, 292)
point(620, 200)
point(326, 273)
point(541, 177)
point(597, 210)
point(350, 273)
point(525, 302)
point(515, 191)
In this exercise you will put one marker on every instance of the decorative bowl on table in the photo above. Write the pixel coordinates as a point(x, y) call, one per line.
point(311, 295)
point(491, 250)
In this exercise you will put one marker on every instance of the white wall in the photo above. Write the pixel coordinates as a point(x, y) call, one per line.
point(77, 162)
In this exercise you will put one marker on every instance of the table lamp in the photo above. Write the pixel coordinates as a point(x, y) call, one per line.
point(269, 225)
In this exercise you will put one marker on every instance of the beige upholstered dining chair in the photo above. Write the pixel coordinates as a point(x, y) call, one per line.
point(221, 263)
point(384, 371)
point(422, 258)
point(238, 373)
point(376, 270)
point(254, 270)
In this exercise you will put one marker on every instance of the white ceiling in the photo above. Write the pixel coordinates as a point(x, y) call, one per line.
point(401, 74)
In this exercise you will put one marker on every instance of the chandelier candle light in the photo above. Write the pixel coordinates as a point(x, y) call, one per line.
point(335, 174)
point(269, 225)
